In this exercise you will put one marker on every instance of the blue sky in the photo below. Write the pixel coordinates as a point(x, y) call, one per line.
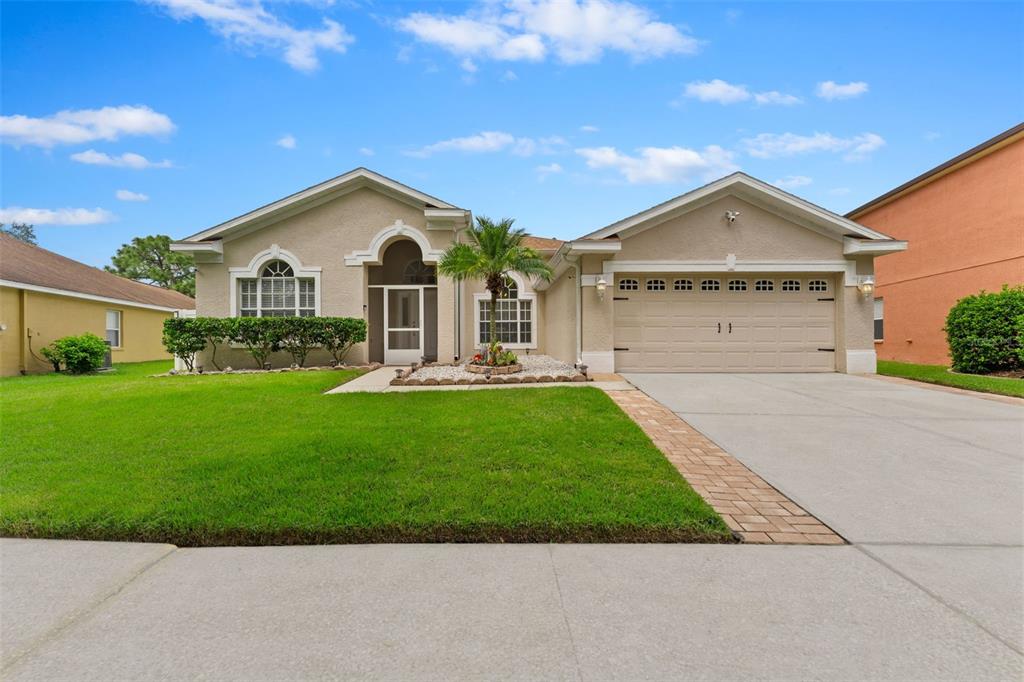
point(178, 114)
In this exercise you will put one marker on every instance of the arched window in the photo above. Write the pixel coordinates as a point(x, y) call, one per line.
point(514, 319)
point(629, 284)
point(418, 272)
point(655, 285)
point(277, 292)
point(683, 285)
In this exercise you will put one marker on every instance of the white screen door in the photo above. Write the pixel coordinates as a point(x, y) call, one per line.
point(403, 325)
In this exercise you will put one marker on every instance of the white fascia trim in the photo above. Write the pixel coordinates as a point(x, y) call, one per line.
point(839, 222)
point(252, 271)
point(581, 247)
point(375, 252)
point(363, 175)
point(86, 297)
point(446, 218)
point(212, 248)
point(847, 267)
point(872, 247)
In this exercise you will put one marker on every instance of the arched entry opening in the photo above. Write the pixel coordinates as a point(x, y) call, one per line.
point(402, 311)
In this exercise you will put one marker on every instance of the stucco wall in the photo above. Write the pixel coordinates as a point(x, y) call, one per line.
point(12, 337)
point(703, 234)
point(48, 317)
point(321, 237)
point(560, 317)
point(966, 233)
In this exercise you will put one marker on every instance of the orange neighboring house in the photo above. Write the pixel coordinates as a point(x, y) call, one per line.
point(964, 220)
point(44, 296)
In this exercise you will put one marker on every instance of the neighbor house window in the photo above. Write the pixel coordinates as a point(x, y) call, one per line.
point(514, 319)
point(764, 285)
point(879, 319)
point(277, 292)
point(737, 285)
point(791, 285)
point(710, 285)
point(629, 285)
point(114, 328)
point(683, 285)
point(655, 285)
point(817, 285)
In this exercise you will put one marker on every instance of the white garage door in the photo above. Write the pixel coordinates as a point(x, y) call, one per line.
point(714, 323)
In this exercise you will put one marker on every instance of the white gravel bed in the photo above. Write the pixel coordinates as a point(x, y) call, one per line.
point(533, 365)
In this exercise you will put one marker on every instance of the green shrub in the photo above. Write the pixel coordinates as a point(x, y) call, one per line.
point(78, 354)
point(183, 338)
point(299, 335)
point(984, 331)
point(261, 336)
point(215, 330)
point(1020, 340)
point(339, 334)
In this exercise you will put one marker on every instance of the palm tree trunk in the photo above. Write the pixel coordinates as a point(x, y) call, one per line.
point(494, 317)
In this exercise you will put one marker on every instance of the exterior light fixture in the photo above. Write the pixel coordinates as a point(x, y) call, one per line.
point(866, 284)
point(601, 286)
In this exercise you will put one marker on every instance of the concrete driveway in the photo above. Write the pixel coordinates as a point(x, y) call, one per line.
point(929, 483)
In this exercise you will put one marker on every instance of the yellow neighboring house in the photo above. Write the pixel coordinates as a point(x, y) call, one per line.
point(45, 296)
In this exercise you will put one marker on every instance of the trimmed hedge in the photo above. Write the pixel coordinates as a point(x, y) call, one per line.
point(78, 354)
point(985, 331)
point(262, 336)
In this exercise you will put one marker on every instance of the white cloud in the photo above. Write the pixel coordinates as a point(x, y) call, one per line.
point(550, 169)
point(56, 216)
point(126, 160)
point(776, 97)
point(468, 65)
point(662, 164)
point(717, 90)
point(793, 181)
point(509, 76)
point(772, 145)
point(575, 31)
point(492, 141)
point(75, 126)
point(366, 151)
point(128, 195)
point(589, 129)
point(247, 23)
point(286, 142)
point(831, 90)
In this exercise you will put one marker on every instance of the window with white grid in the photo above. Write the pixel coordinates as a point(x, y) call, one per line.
point(764, 285)
point(277, 293)
point(817, 285)
point(791, 285)
point(683, 285)
point(710, 285)
point(655, 285)
point(629, 284)
point(514, 320)
point(737, 285)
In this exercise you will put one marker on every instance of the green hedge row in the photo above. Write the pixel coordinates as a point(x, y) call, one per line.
point(986, 331)
point(184, 337)
point(78, 354)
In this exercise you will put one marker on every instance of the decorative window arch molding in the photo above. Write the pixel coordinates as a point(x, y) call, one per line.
point(375, 253)
point(252, 271)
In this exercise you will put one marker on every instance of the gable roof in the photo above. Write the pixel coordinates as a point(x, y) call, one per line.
point(1001, 140)
point(26, 264)
point(354, 179)
point(746, 187)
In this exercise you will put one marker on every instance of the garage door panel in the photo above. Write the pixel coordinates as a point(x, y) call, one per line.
point(667, 331)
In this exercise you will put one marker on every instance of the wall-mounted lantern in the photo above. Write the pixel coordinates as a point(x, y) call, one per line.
point(866, 284)
point(601, 285)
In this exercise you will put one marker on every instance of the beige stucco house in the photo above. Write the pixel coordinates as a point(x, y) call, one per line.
point(737, 275)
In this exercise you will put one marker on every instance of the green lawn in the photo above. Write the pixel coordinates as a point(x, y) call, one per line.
point(267, 459)
point(937, 374)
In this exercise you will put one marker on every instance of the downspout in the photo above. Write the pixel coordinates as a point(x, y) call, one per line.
point(575, 260)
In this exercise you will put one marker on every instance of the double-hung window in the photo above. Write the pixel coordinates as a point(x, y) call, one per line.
point(114, 328)
point(879, 319)
point(514, 320)
point(277, 292)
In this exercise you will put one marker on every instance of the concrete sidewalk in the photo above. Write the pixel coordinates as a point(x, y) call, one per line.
point(102, 611)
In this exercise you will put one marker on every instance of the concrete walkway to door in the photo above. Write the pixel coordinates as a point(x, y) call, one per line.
point(928, 483)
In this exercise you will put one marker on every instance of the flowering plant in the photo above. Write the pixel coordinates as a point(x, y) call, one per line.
point(494, 355)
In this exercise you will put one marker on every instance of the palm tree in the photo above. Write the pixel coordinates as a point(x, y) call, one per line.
point(493, 251)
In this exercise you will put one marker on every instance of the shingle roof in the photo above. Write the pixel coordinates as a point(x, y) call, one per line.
point(542, 243)
point(28, 264)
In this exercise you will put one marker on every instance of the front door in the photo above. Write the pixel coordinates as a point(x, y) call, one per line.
point(403, 325)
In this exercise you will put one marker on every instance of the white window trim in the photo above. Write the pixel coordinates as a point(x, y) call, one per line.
point(523, 295)
point(252, 271)
point(120, 327)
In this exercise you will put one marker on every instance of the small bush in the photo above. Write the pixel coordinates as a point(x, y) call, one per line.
point(299, 335)
point(984, 331)
point(339, 334)
point(183, 338)
point(78, 354)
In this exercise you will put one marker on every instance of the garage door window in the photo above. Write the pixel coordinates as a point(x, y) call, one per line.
point(791, 285)
point(683, 285)
point(655, 285)
point(629, 285)
point(817, 285)
point(710, 285)
point(764, 285)
point(737, 285)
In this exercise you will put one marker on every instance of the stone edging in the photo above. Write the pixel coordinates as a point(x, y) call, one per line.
point(294, 368)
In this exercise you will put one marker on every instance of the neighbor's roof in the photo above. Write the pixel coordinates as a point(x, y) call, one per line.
point(542, 243)
point(974, 153)
point(22, 263)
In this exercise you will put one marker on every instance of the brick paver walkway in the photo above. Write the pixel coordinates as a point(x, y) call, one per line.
point(749, 505)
